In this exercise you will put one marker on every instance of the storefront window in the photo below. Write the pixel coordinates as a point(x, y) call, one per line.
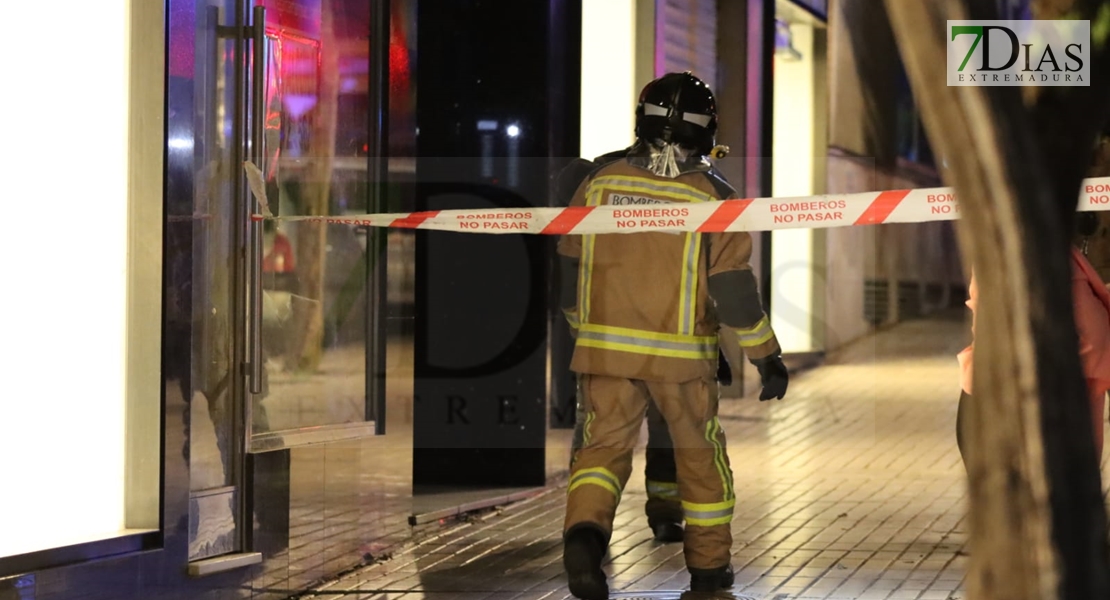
point(314, 276)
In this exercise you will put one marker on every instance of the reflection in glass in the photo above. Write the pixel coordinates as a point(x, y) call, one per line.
point(315, 275)
point(210, 416)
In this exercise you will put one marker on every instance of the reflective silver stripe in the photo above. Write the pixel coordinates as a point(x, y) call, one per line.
point(706, 515)
point(689, 298)
point(588, 333)
point(758, 334)
point(720, 457)
point(702, 120)
point(593, 476)
point(586, 265)
point(656, 489)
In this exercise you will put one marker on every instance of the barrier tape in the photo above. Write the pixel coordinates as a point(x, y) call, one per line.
point(752, 214)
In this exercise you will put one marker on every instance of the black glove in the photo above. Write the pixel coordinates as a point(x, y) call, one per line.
point(773, 375)
point(724, 371)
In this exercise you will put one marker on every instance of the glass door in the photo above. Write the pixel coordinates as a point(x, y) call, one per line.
point(220, 219)
point(317, 303)
point(284, 313)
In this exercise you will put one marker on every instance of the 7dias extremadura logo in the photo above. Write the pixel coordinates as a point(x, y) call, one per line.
point(1013, 53)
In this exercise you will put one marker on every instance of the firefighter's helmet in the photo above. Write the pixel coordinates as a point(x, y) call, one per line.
point(678, 108)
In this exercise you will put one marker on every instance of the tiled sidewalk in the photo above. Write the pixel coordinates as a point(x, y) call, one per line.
point(851, 488)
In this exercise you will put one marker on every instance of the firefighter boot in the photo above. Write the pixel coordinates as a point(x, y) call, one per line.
point(711, 580)
point(583, 550)
point(666, 531)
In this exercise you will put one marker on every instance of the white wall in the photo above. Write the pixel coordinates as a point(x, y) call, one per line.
point(797, 269)
point(609, 90)
point(920, 253)
point(82, 279)
point(851, 256)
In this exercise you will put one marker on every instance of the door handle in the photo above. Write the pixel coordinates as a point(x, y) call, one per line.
point(376, 243)
point(257, 141)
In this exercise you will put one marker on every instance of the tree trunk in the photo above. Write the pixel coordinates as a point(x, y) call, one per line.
point(1038, 524)
point(306, 348)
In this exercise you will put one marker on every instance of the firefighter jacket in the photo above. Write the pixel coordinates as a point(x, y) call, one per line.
point(566, 185)
point(649, 305)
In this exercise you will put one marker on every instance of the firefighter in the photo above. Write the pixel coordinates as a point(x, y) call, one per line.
point(663, 507)
point(648, 309)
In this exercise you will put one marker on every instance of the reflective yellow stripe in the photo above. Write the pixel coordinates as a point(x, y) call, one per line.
point(671, 194)
point(586, 428)
point(585, 273)
point(756, 334)
point(639, 347)
point(708, 515)
point(688, 299)
point(599, 476)
point(649, 335)
point(651, 343)
point(710, 506)
point(712, 428)
point(586, 265)
point(572, 317)
point(662, 489)
point(653, 187)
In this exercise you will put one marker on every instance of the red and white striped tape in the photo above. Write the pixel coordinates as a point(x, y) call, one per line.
point(759, 214)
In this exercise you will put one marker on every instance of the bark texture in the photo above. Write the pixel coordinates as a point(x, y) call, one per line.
point(1038, 523)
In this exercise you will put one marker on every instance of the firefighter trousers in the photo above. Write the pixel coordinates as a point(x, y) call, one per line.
point(660, 474)
point(615, 409)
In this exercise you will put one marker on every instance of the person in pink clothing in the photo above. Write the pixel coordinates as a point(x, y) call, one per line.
point(1092, 320)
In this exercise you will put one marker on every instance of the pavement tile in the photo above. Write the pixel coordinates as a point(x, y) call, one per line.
point(849, 489)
